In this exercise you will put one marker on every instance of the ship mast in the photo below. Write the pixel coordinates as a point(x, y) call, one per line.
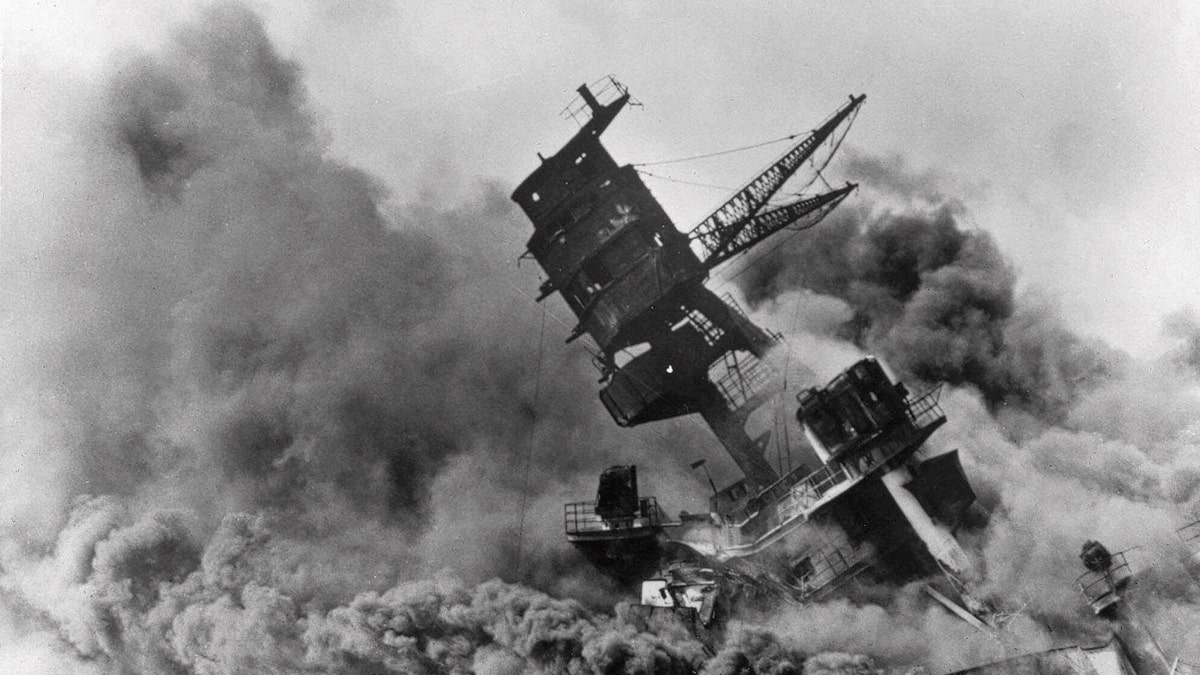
point(808, 211)
point(668, 346)
point(720, 236)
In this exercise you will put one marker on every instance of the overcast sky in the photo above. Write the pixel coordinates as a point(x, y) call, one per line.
point(1068, 129)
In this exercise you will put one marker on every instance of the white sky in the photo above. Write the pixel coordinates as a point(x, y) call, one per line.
point(1069, 129)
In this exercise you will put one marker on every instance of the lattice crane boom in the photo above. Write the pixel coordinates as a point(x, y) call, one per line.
point(715, 233)
point(769, 222)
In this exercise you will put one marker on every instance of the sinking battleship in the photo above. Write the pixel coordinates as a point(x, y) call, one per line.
point(878, 508)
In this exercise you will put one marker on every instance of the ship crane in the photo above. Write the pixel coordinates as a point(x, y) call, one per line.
point(667, 345)
point(740, 222)
point(811, 211)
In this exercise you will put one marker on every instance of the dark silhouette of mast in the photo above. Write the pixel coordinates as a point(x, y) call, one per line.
point(668, 346)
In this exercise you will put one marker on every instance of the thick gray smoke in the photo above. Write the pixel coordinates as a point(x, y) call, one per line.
point(213, 314)
point(1184, 327)
point(937, 300)
point(152, 601)
point(146, 596)
point(1063, 438)
point(252, 406)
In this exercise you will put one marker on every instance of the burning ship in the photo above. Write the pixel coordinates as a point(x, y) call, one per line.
point(877, 508)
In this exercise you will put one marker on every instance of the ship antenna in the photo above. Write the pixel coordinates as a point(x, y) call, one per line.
point(537, 392)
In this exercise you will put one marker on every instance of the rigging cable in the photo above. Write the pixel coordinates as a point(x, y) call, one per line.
point(537, 392)
point(775, 201)
point(745, 268)
point(795, 230)
point(833, 151)
point(726, 188)
point(718, 153)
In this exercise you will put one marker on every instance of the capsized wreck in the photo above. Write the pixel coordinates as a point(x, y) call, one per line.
point(876, 508)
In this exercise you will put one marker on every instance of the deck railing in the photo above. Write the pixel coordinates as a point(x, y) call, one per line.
point(779, 488)
point(1100, 588)
point(793, 500)
point(830, 565)
point(799, 493)
point(605, 90)
point(924, 410)
point(728, 299)
point(580, 518)
point(742, 379)
point(805, 494)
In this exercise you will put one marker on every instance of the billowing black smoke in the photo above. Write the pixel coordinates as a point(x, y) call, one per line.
point(231, 311)
point(938, 302)
point(1110, 450)
point(146, 597)
point(253, 406)
point(291, 394)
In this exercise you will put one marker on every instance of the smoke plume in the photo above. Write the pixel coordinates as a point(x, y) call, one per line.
point(154, 599)
point(937, 301)
point(1063, 438)
point(1184, 327)
point(264, 404)
point(259, 415)
point(215, 315)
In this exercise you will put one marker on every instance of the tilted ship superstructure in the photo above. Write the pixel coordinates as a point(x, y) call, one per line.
point(668, 346)
point(876, 508)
